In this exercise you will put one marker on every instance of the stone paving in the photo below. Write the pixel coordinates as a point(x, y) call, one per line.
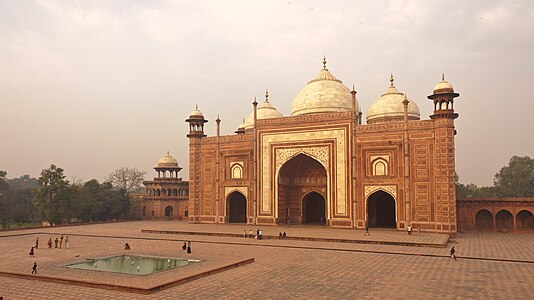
point(282, 268)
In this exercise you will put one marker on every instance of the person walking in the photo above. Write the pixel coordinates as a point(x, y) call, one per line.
point(453, 254)
point(260, 234)
point(184, 246)
point(410, 229)
point(32, 253)
point(366, 229)
point(61, 241)
point(50, 243)
point(250, 234)
point(189, 247)
point(67, 246)
point(56, 242)
point(34, 268)
point(37, 243)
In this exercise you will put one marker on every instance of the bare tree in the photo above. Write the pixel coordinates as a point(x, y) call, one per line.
point(128, 179)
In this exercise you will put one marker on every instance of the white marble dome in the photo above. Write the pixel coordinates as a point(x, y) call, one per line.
point(389, 107)
point(167, 161)
point(264, 111)
point(324, 93)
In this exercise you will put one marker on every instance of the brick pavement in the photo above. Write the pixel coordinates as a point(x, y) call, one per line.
point(317, 270)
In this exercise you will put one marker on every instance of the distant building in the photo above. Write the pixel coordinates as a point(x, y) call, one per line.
point(321, 165)
point(165, 197)
point(500, 214)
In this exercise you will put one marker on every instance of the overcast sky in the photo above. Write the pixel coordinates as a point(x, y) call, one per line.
point(95, 85)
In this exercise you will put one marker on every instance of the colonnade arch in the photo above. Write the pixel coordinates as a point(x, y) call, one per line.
point(381, 210)
point(504, 219)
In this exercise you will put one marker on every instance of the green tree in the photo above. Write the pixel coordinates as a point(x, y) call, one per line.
point(4, 196)
point(53, 195)
point(516, 179)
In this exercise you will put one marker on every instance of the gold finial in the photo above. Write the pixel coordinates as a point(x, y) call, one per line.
point(168, 153)
point(324, 62)
point(266, 95)
point(196, 106)
point(443, 76)
point(391, 79)
point(255, 102)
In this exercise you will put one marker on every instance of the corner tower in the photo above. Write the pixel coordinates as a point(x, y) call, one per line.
point(196, 122)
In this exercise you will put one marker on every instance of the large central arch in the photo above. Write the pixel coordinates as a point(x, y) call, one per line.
point(381, 210)
point(297, 177)
point(236, 208)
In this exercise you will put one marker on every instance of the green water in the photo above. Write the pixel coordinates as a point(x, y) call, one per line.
point(131, 264)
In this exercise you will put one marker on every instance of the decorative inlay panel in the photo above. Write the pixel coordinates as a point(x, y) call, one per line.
point(391, 189)
point(230, 189)
point(319, 153)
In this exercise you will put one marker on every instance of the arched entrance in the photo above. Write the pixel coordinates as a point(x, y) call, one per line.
point(504, 220)
point(297, 176)
point(484, 219)
point(525, 220)
point(381, 210)
point(313, 208)
point(168, 211)
point(236, 208)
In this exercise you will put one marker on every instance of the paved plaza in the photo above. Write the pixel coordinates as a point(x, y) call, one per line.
point(316, 263)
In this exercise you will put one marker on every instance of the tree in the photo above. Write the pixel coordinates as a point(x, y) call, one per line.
point(54, 195)
point(4, 195)
point(128, 179)
point(516, 179)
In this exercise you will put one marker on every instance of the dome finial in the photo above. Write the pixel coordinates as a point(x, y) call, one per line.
point(391, 79)
point(443, 76)
point(196, 106)
point(168, 153)
point(324, 62)
point(266, 95)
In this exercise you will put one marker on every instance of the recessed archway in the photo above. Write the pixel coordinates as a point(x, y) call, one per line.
point(313, 208)
point(504, 219)
point(168, 211)
point(381, 210)
point(296, 177)
point(484, 219)
point(525, 220)
point(236, 208)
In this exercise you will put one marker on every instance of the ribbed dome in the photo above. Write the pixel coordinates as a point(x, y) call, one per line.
point(389, 107)
point(167, 161)
point(324, 93)
point(264, 111)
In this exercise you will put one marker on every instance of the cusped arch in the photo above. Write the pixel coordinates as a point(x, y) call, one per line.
point(320, 154)
point(380, 167)
point(236, 171)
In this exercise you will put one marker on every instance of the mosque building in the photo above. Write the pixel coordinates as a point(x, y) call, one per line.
point(321, 165)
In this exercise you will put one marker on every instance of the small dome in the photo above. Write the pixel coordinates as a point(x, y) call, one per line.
point(324, 93)
point(264, 111)
point(389, 107)
point(443, 87)
point(167, 161)
point(196, 113)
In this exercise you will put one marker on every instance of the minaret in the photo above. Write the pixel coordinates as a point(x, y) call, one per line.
point(196, 133)
point(444, 169)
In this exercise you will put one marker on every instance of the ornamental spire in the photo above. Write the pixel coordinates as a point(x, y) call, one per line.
point(324, 62)
point(266, 95)
point(442, 76)
point(391, 79)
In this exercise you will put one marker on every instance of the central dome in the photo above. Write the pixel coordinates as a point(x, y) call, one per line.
point(324, 93)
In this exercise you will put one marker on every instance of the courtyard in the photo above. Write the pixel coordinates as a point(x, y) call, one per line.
point(314, 262)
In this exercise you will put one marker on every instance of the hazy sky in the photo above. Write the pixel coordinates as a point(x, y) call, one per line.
point(94, 85)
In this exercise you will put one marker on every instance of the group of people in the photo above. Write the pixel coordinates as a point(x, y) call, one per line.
point(410, 229)
point(57, 241)
point(282, 235)
point(259, 234)
point(186, 247)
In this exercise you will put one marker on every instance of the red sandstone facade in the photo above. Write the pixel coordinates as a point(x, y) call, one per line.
point(323, 166)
